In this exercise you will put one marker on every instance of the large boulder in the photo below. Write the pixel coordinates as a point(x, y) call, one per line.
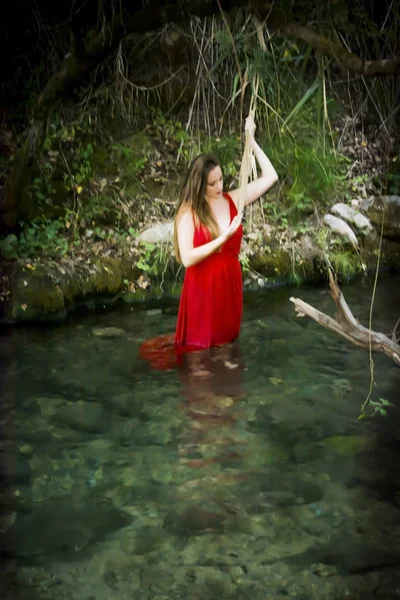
point(386, 209)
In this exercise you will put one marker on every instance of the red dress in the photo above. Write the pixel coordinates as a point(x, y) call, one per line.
point(210, 309)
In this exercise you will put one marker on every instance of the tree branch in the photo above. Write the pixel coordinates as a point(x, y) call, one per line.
point(150, 19)
point(347, 326)
point(280, 21)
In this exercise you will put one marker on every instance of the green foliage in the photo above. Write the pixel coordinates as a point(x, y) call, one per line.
point(67, 154)
point(132, 154)
point(148, 260)
point(345, 264)
point(308, 177)
point(168, 127)
point(41, 236)
point(379, 407)
point(226, 148)
point(155, 260)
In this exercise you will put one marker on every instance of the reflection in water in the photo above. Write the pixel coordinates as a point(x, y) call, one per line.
point(212, 384)
point(210, 446)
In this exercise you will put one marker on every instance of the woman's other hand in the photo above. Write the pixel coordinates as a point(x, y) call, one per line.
point(234, 226)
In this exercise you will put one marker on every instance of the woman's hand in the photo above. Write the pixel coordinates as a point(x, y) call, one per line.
point(185, 229)
point(234, 226)
point(250, 126)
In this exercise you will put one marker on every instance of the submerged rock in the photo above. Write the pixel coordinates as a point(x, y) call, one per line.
point(14, 468)
point(84, 416)
point(349, 443)
point(193, 520)
point(350, 555)
point(144, 540)
point(63, 527)
point(108, 332)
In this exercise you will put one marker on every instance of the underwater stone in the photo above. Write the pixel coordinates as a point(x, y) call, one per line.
point(108, 332)
point(144, 540)
point(84, 416)
point(14, 468)
point(63, 527)
point(193, 520)
point(349, 443)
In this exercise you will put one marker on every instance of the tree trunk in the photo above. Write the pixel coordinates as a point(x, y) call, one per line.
point(18, 202)
point(347, 326)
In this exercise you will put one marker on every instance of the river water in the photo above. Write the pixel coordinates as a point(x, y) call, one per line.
point(245, 473)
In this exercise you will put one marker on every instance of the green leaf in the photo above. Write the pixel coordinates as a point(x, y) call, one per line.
point(314, 86)
point(143, 266)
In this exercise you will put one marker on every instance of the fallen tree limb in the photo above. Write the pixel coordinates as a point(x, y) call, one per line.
point(347, 326)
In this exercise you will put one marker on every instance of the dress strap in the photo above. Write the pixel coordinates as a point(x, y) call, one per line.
point(232, 206)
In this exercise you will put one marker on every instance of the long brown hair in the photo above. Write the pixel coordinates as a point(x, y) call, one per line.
point(193, 194)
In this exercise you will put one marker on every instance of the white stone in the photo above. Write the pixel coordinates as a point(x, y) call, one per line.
point(261, 282)
point(162, 232)
point(352, 216)
point(341, 228)
point(108, 332)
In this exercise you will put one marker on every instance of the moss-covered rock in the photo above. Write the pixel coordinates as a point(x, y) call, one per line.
point(49, 291)
point(35, 294)
point(292, 260)
point(389, 253)
point(384, 209)
point(272, 262)
point(104, 275)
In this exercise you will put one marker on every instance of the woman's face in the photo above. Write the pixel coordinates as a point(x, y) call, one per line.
point(214, 184)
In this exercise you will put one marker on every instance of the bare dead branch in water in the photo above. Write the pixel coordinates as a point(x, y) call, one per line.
point(345, 325)
point(394, 332)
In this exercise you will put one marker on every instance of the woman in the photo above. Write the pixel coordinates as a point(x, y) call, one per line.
point(208, 233)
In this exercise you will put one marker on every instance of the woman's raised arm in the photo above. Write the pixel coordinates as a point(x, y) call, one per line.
point(268, 176)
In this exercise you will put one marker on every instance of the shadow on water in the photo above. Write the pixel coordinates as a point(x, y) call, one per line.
point(243, 474)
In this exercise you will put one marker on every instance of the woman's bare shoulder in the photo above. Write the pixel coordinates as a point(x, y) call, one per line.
point(185, 212)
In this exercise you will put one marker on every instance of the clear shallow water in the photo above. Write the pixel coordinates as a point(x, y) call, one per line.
point(244, 474)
